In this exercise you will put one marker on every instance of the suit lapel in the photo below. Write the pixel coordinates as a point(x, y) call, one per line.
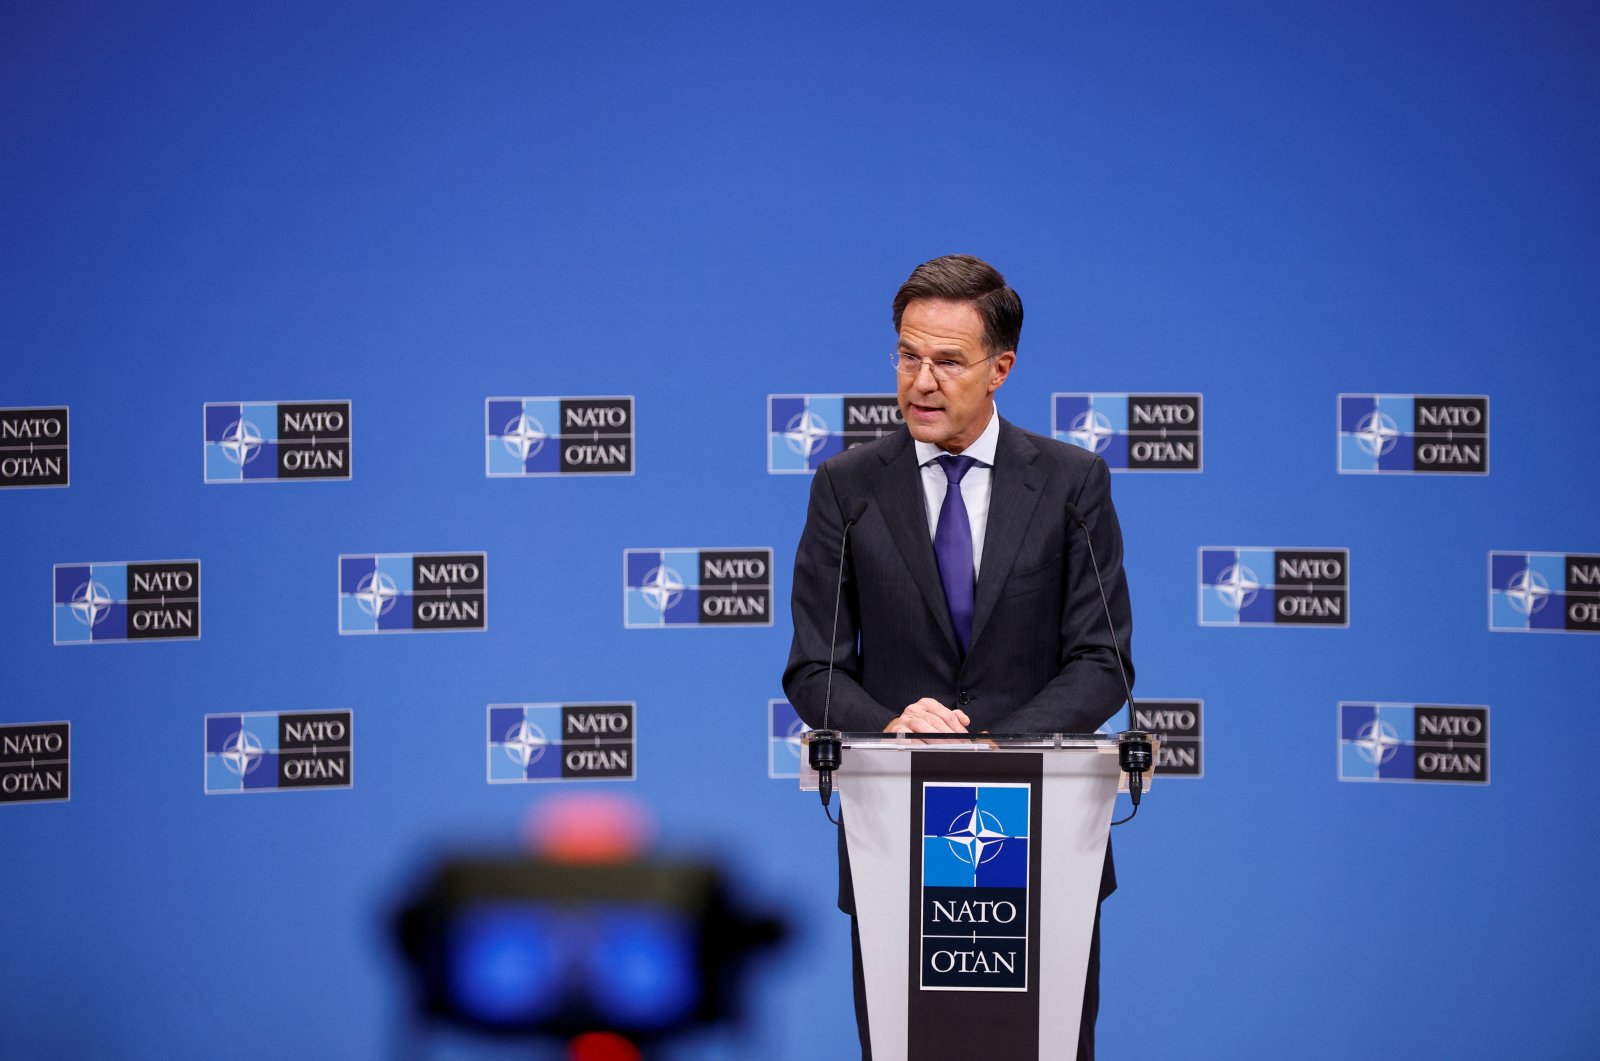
point(1014, 489)
point(899, 494)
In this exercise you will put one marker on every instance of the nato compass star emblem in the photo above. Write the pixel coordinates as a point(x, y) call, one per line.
point(1238, 586)
point(376, 593)
point(1377, 741)
point(662, 587)
point(1376, 433)
point(242, 752)
point(976, 836)
point(91, 603)
point(241, 442)
point(524, 436)
point(525, 743)
point(805, 433)
point(1091, 430)
point(1528, 591)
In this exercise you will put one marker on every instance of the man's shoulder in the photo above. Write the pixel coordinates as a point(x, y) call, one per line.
point(1057, 453)
point(865, 458)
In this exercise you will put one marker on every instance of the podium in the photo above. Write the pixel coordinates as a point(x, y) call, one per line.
point(976, 866)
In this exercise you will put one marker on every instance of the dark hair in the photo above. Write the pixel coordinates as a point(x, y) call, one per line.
point(963, 278)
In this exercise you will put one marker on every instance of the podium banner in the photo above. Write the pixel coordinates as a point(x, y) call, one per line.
point(974, 901)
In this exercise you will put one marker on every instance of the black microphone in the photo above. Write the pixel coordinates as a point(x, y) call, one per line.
point(825, 748)
point(1133, 747)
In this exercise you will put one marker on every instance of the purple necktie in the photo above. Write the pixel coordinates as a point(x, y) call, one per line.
point(952, 546)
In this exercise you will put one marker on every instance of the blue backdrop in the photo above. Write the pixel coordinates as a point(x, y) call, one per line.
point(417, 207)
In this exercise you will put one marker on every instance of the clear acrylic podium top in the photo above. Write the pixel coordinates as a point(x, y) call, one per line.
point(1097, 743)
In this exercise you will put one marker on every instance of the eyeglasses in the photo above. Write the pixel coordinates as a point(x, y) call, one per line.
point(944, 370)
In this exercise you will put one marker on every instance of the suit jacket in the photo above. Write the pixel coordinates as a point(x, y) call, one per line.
point(1040, 660)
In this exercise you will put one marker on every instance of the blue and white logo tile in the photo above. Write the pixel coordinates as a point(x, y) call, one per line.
point(561, 742)
point(697, 587)
point(270, 751)
point(110, 603)
point(803, 430)
point(397, 593)
point(542, 436)
point(1274, 587)
point(1544, 592)
point(1381, 741)
point(253, 442)
point(1413, 434)
point(1133, 432)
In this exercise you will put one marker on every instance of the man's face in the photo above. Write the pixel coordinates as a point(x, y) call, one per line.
point(951, 414)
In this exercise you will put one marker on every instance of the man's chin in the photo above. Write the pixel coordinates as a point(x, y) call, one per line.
point(926, 430)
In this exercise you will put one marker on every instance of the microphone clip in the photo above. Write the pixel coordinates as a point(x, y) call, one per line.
point(826, 752)
point(1134, 754)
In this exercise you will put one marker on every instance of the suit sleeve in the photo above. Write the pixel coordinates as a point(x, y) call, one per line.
point(1087, 690)
point(816, 572)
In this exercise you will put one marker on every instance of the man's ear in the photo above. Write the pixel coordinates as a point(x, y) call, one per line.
point(1002, 369)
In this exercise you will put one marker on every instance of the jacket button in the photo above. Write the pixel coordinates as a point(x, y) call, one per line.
point(963, 699)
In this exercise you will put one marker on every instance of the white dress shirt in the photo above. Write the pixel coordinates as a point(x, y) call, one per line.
point(974, 485)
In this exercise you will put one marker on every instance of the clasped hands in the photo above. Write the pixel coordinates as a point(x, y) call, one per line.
point(929, 716)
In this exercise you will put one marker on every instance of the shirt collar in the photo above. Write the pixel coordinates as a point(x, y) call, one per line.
point(981, 450)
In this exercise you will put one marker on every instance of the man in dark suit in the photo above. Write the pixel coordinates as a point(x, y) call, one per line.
point(969, 603)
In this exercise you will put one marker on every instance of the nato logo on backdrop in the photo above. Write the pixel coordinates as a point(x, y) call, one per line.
point(1180, 725)
point(975, 886)
point(529, 437)
point(34, 447)
point(561, 742)
point(106, 603)
point(266, 751)
point(697, 587)
point(36, 762)
point(1274, 587)
point(1413, 742)
point(256, 442)
point(803, 430)
point(1544, 592)
point(1410, 434)
point(1132, 432)
point(397, 593)
point(784, 730)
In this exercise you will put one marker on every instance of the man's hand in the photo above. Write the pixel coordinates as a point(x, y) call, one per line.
point(928, 716)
